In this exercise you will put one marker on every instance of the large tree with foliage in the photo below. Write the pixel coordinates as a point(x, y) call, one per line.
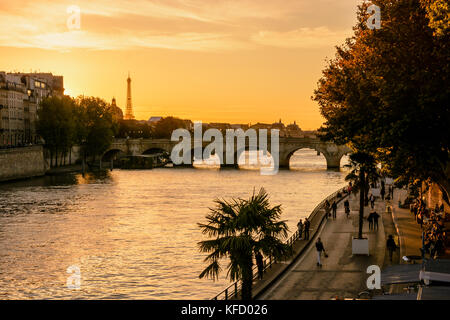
point(97, 126)
point(134, 129)
point(166, 126)
point(239, 229)
point(56, 126)
point(386, 92)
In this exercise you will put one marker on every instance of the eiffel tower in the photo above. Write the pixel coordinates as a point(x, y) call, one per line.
point(129, 112)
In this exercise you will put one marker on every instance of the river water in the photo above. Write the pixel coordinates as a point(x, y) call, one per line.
point(133, 234)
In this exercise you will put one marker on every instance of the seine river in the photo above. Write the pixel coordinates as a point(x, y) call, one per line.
point(133, 234)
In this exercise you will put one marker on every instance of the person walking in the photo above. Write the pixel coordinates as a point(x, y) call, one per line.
point(391, 246)
point(375, 218)
point(306, 226)
point(334, 209)
point(347, 208)
point(370, 219)
point(327, 209)
point(300, 229)
point(259, 264)
point(319, 248)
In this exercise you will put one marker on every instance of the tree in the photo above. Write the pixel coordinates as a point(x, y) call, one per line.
point(96, 131)
point(56, 126)
point(134, 129)
point(166, 126)
point(386, 91)
point(438, 15)
point(241, 228)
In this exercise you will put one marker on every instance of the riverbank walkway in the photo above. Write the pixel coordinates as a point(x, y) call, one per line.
point(409, 231)
point(342, 275)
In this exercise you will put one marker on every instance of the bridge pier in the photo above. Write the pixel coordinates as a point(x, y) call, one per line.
point(333, 161)
point(284, 163)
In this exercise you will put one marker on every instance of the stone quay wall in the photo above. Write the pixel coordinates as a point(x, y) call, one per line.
point(21, 163)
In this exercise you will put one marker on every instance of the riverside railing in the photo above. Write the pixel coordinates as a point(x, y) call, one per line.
point(232, 291)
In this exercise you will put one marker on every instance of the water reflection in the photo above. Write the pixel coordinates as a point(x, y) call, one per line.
point(133, 233)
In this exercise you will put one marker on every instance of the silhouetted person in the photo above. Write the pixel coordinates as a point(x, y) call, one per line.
point(327, 208)
point(347, 207)
point(370, 219)
point(306, 226)
point(300, 228)
point(391, 246)
point(334, 209)
point(319, 248)
point(376, 216)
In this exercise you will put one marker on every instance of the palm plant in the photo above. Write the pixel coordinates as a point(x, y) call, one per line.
point(241, 228)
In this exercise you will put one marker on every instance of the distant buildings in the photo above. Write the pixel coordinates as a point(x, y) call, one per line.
point(293, 130)
point(20, 96)
point(154, 120)
point(116, 111)
point(219, 125)
point(240, 126)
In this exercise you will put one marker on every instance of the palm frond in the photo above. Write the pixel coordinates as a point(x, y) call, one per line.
point(211, 271)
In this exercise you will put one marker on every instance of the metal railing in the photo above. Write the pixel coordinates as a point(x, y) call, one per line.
point(234, 289)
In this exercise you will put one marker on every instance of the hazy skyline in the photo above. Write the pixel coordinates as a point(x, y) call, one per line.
point(232, 61)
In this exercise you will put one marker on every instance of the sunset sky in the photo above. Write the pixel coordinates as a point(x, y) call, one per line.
point(235, 61)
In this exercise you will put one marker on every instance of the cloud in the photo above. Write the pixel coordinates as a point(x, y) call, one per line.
point(318, 37)
point(195, 25)
point(64, 41)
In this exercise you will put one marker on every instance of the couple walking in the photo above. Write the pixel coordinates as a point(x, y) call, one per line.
point(332, 207)
point(303, 229)
point(373, 220)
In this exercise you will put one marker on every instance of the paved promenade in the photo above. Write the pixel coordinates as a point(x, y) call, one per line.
point(408, 229)
point(342, 274)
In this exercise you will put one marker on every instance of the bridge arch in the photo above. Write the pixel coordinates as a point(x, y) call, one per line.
point(238, 154)
point(155, 150)
point(291, 153)
point(112, 154)
point(332, 154)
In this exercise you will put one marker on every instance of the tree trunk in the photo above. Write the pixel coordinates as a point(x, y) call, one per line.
point(366, 192)
point(247, 281)
point(361, 202)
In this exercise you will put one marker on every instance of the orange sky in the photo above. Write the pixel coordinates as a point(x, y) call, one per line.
point(235, 61)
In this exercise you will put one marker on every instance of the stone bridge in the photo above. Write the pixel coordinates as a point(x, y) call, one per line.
point(287, 146)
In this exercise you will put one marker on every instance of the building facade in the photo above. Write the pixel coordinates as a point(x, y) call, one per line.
point(20, 96)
